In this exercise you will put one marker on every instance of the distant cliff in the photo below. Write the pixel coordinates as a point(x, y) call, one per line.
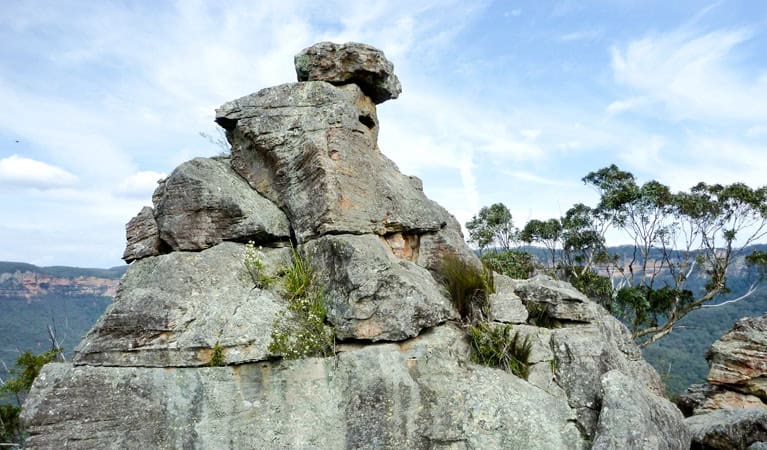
point(27, 281)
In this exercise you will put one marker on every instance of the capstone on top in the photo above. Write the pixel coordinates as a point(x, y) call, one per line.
point(352, 62)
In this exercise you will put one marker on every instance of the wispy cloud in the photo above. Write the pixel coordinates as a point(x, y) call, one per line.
point(693, 74)
point(583, 35)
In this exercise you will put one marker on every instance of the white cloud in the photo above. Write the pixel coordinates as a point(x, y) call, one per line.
point(25, 172)
point(693, 74)
point(140, 184)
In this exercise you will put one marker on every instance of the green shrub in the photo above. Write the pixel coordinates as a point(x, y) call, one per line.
point(217, 356)
point(300, 331)
point(255, 267)
point(512, 263)
point(10, 424)
point(496, 346)
point(468, 287)
point(28, 366)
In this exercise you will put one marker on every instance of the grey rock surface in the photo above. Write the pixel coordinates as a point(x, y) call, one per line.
point(417, 394)
point(758, 446)
point(172, 309)
point(143, 236)
point(505, 305)
point(558, 299)
point(311, 148)
point(204, 202)
point(730, 429)
point(586, 352)
point(738, 360)
point(634, 418)
point(371, 294)
point(352, 62)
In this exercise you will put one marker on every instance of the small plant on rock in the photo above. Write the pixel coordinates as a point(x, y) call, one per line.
point(468, 285)
point(217, 356)
point(300, 331)
point(255, 267)
point(496, 346)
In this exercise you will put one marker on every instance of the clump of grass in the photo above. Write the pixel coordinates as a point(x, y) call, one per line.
point(468, 286)
point(539, 315)
point(255, 267)
point(217, 356)
point(496, 346)
point(300, 331)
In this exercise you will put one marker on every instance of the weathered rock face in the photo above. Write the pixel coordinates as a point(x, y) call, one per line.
point(632, 417)
point(415, 394)
point(361, 64)
point(371, 294)
point(171, 310)
point(728, 429)
point(306, 167)
point(738, 359)
point(204, 202)
point(143, 236)
point(731, 411)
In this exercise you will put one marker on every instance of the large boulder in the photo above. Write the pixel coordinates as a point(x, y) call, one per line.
point(728, 429)
point(172, 310)
point(204, 202)
point(352, 62)
point(306, 169)
point(738, 360)
point(421, 393)
point(311, 148)
point(634, 418)
point(371, 294)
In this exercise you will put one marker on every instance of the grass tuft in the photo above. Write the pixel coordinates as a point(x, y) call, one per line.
point(468, 286)
point(496, 346)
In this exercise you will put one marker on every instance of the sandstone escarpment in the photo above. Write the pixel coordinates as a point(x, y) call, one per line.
point(306, 171)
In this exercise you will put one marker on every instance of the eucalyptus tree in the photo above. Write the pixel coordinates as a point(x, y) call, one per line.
point(683, 246)
point(492, 224)
point(545, 232)
point(677, 238)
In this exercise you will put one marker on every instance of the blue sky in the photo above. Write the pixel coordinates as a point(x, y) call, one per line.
point(509, 102)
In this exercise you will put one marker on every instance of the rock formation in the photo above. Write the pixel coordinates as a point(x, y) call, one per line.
point(730, 412)
point(306, 171)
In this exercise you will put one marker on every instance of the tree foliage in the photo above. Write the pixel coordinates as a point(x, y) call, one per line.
point(491, 225)
point(683, 247)
point(28, 366)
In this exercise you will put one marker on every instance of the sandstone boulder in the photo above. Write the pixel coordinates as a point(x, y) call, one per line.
point(352, 62)
point(311, 148)
point(558, 300)
point(306, 167)
point(505, 305)
point(584, 353)
point(204, 202)
point(371, 294)
point(143, 236)
point(171, 310)
point(738, 360)
point(634, 418)
point(728, 429)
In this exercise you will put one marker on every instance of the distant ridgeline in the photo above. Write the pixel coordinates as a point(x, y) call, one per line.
point(68, 298)
point(680, 357)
